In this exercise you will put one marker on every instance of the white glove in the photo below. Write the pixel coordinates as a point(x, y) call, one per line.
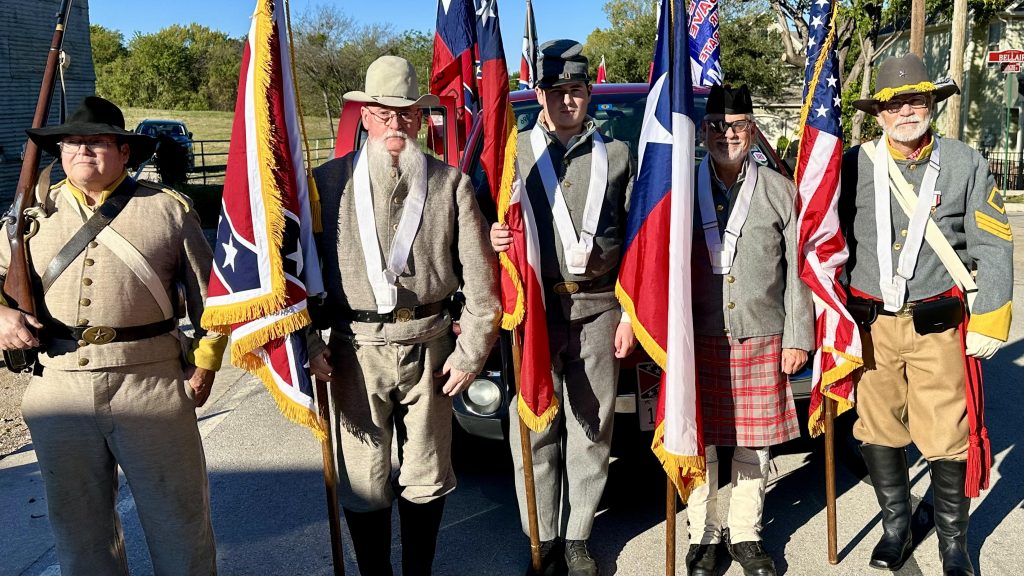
point(981, 346)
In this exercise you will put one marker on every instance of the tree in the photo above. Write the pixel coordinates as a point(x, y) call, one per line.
point(107, 45)
point(628, 44)
point(751, 50)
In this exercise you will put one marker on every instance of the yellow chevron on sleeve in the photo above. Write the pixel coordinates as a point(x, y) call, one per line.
point(994, 324)
point(995, 200)
point(993, 226)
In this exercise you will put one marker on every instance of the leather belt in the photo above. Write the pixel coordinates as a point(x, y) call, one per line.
point(108, 334)
point(398, 314)
point(567, 287)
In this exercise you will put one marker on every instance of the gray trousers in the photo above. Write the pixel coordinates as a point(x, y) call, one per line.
point(381, 390)
point(570, 457)
point(86, 424)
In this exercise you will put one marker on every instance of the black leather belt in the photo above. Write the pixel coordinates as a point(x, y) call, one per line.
point(398, 314)
point(108, 334)
point(573, 286)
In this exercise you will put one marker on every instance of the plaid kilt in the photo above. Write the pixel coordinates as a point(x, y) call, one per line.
point(745, 398)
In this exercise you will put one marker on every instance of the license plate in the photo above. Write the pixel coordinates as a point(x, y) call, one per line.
point(648, 383)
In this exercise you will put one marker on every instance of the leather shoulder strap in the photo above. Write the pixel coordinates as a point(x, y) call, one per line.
point(88, 232)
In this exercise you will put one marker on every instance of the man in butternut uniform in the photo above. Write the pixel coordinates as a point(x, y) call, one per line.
point(112, 386)
point(580, 232)
point(402, 232)
point(921, 380)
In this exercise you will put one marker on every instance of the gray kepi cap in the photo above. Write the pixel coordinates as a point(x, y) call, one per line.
point(561, 62)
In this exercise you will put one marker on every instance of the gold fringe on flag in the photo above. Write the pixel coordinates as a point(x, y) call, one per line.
point(536, 422)
point(679, 468)
point(508, 174)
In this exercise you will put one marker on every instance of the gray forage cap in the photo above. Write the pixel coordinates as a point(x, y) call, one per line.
point(561, 62)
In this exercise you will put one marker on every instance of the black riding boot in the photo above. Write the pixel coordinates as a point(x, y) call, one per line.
point(887, 468)
point(420, 524)
point(371, 539)
point(952, 509)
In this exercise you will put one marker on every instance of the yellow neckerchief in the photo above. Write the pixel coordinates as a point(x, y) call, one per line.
point(80, 196)
point(922, 152)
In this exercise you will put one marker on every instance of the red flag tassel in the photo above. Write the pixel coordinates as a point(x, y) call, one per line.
point(979, 450)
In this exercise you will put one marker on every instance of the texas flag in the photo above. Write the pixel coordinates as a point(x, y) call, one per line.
point(453, 70)
point(528, 63)
point(654, 279)
point(705, 53)
point(265, 262)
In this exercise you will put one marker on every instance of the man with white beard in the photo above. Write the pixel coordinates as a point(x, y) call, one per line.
point(401, 233)
point(924, 223)
point(753, 326)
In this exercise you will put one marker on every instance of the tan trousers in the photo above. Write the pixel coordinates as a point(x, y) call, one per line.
point(383, 390)
point(746, 503)
point(912, 390)
point(86, 424)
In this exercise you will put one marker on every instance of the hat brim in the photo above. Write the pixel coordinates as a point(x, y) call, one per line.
point(141, 147)
point(425, 101)
point(553, 81)
point(872, 105)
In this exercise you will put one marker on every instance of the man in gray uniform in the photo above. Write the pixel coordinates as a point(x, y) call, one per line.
point(578, 180)
point(921, 216)
point(753, 325)
point(401, 233)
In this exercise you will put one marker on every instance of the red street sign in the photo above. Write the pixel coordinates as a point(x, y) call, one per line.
point(1010, 67)
point(1005, 56)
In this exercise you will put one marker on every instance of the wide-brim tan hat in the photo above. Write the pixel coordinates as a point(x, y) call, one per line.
point(391, 81)
point(902, 75)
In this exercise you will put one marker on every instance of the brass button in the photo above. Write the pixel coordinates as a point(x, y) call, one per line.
point(566, 184)
point(82, 343)
point(87, 281)
point(93, 244)
point(395, 227)
point(726, 331)
point(83, 361)
point(82, 322)
point(730, 305)
point(89, 262)
point(913, 167)
point(85, 301)
point(897, 246)
point(903, 233)
point(719, 207)
point(398, 201)
point(730, 278)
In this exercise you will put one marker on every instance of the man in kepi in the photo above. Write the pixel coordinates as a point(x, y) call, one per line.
point(579, 183)
point(402, 232)
point(924, 223)
point(112, 387)
point(753, 325)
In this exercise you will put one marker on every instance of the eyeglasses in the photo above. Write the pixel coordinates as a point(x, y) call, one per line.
point(721, 126)
point(387, 116)
point(73, 146)
point(916, 102)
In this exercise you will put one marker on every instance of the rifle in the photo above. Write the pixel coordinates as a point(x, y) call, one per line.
point(17, 286)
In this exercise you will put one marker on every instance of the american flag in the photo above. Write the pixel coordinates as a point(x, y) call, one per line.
point(654, 279)
point(453, 70)
point(265, 262)
point(522, 296)
point(528, 62)
point(705, 52)
point(821, 245)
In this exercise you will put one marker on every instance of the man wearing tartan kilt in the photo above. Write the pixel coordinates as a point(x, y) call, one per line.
point(753, 325)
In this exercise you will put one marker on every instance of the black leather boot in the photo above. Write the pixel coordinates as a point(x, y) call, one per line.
point(702, 560)
point(952, 510)
point(887, 468)
point(371, 539)
point(420, 524)
point(578, 559)
point(552, 559)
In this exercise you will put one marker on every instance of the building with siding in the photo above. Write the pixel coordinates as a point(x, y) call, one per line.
point(26, 29)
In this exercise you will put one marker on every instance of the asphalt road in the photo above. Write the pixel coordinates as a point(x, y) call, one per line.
point(269, 515)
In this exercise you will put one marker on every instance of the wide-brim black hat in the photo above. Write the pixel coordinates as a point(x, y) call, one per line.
point(904, 75)
point(95, 117)
point(729, 100)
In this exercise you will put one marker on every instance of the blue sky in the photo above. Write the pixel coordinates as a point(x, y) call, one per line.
point(555, 18)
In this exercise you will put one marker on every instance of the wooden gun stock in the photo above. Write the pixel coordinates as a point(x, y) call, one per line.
point(17, 286)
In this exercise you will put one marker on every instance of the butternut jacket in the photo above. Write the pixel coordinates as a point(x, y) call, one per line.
point(451, 249)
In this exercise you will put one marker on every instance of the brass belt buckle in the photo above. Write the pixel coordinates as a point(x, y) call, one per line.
point(566, 288)
point(99, 334)
point(404, 314)
point(905, 311)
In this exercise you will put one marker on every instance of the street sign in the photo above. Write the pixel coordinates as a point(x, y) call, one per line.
point(1005, 56)
point(1010, 67)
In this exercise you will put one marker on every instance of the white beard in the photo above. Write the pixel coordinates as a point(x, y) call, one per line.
point(384, 170)
point(905, 132)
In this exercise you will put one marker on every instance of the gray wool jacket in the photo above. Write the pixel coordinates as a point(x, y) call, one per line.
point(572, 165)
point(451, 249)
point(762, 295)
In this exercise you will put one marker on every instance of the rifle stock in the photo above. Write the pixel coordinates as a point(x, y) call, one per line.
point(17, 286)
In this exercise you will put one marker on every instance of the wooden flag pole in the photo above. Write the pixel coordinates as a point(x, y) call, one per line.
point(670, 527)
point(830, 479)
point(330, 478)
point(527, 448)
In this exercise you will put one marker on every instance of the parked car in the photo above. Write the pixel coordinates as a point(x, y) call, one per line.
point(175, 130)
point(483, 409)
